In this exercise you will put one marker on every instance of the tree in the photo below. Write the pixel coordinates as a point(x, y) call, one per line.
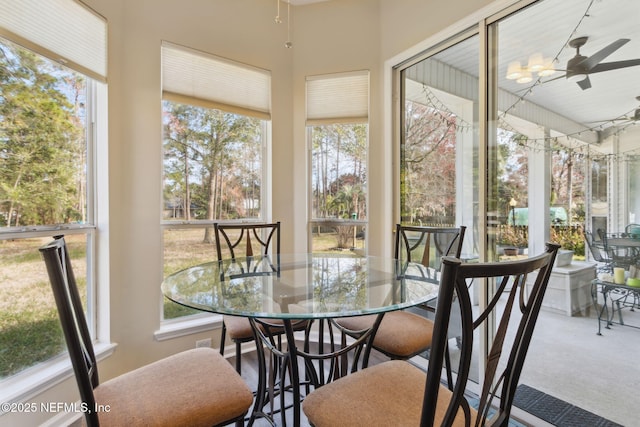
point(212, 162)
point(42, 146)
point(427, 176)
point(339, 160)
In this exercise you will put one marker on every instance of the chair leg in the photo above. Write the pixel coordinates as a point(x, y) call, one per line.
point(238, 354)
point(223, 335)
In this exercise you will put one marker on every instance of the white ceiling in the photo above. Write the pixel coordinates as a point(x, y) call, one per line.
point(612, 93)
point(546, 27)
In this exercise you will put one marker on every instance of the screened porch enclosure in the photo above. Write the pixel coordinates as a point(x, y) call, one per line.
point(566, 157)
point(494, 136)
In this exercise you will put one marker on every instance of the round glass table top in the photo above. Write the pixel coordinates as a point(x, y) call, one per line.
point(302, 286)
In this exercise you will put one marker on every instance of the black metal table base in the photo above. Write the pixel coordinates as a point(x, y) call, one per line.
point(282, 384)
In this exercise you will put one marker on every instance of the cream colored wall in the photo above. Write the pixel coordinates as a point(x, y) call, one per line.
point(407, 23)
point(331, 37)
point(335, 36)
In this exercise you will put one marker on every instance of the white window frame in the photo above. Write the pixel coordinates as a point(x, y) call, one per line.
point(70, 33)
point(32, 381)
point(198, 89)
point(334, 99)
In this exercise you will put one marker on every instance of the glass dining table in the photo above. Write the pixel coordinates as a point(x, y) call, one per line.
point(285, 289)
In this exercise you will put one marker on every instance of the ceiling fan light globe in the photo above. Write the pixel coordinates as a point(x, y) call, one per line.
point(546, 72)
point(576, 77)
point(514, 71)
point(547, 69)
point(525, 78)
point(536, 62)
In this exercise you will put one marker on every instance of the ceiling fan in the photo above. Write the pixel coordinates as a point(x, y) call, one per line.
point(580, 67)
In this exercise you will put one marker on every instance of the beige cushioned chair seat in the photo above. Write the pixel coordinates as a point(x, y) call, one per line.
point(401, 334)
point(239, 328)
point(389, 394)
point(193, 388)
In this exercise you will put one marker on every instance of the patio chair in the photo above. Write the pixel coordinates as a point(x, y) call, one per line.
point(404, 334)
point(598, 253)
point(618, 250)
point(633, 230)
point(196, 387)
point(239, 241)
point(399, 393)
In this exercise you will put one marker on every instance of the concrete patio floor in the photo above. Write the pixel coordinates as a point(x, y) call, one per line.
point(598, 373)
point(567, 359)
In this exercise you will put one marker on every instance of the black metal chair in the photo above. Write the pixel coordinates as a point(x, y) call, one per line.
point(196, 387)
point(404, 334)
point(598, 253)
point(399, 393)
point(243, 240)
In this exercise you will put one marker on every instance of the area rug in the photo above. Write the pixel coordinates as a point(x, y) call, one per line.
point(556, 411)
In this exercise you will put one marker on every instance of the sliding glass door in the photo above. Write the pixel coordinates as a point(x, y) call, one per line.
point(525, 133)
point(439, 140)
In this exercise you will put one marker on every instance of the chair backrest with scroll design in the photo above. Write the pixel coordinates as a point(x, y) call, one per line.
point(245, 239)
point(427, 245)
point(257, 243)
point(520, 285)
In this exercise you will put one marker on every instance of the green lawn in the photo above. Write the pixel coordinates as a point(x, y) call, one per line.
point(30, 331)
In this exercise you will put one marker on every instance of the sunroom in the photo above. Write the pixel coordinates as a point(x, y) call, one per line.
point(491, 80)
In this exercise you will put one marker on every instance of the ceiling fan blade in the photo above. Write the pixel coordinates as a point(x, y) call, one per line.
point(584, 83)
point(607, 66)
point(595, 59)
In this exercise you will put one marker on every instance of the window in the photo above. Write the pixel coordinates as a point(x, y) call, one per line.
point(47, 172)
point(216, 128)
point(337, 116)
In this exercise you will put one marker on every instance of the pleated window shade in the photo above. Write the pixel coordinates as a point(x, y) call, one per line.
point(338, 98)
point(65, 31)
point(197, 78)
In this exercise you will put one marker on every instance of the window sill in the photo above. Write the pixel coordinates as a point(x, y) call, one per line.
point(33, 381)
point(175, 328)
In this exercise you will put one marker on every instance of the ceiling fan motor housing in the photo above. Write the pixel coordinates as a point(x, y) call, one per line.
point(575, 68)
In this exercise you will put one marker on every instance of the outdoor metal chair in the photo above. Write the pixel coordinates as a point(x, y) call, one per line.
point(598, 253)
point(196, 387)
point(621, 249)
point(633, 230)
point(399, 393)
